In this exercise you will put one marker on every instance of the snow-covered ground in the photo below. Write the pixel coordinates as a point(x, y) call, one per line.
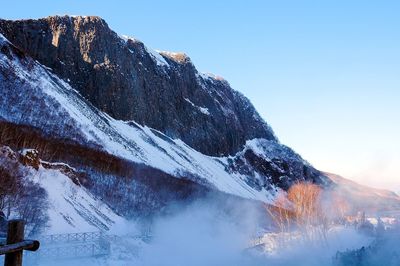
point(72, 208)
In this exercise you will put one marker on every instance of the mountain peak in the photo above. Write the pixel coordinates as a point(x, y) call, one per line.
point(76, 17)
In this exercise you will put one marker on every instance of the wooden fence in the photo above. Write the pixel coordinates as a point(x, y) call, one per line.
point(15, 244)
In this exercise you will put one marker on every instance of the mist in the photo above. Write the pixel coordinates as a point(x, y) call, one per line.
point(199, 235)
point(218, 232)
point(203, 233)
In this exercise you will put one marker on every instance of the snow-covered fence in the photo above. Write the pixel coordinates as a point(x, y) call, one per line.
point(73, 237)
point(73, 245)
point(76, 245)
point(75, 251)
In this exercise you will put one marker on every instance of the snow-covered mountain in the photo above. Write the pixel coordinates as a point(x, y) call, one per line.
point(129, 81)
point(140, 128)
point(33, 96)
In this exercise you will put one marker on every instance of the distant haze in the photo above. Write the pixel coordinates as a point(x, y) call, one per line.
point(324, 74)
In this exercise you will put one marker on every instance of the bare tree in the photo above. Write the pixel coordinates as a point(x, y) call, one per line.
point(282, 216)
point(20, 197)
point(301, 209)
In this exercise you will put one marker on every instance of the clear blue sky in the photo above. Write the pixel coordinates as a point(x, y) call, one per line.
point(325, 74)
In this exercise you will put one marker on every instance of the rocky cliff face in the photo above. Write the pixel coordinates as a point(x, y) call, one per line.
point(133, 168)
point(129, 81)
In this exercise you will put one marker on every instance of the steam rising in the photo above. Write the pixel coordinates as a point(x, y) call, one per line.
point(204, 234)
point(218, 232)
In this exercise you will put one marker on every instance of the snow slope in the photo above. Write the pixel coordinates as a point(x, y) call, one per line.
point(72, 208)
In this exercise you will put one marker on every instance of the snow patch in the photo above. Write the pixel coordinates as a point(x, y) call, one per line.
point(201, 109)
point(2, 39)
point(211, 76)
point(160, 61)
point(25, 152)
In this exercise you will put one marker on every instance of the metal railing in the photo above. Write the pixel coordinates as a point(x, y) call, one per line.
point(72, 237)
point(72, 245)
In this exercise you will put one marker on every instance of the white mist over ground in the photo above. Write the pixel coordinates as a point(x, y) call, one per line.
point(318, 253)
point(201, 236)
point(197, 236)
point(206, 234)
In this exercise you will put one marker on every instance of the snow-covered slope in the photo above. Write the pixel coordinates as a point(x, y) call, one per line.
point(70, 207)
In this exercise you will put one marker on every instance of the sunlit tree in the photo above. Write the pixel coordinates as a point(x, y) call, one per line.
point(301, 210)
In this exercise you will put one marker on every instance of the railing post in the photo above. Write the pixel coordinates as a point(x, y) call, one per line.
point(15, 234)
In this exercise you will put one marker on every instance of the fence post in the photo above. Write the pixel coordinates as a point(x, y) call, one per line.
point(15, 234)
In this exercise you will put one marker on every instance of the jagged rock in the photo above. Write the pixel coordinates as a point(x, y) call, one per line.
point(78, 177)
point(7, 152)
point(30, 157)
point(129, 81)
point(265, 163)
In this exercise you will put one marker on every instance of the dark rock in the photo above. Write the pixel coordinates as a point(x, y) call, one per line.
point(276, 166)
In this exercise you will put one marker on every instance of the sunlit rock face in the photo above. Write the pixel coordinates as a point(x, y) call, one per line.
point(129, 81)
